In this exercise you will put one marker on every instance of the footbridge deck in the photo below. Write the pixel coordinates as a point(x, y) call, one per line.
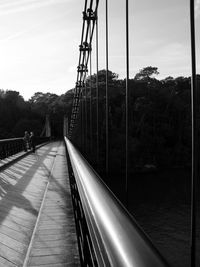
point(56, 211)
point(37, 225)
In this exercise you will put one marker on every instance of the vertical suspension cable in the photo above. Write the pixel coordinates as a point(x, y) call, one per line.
point(127, 100)
point(97, 91)
point(194, 106)
point(86, 117)
point(107, 136)
point(91, 124)
point(82, 120)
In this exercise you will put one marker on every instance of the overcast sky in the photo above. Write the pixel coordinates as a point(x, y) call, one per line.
point(39, 41)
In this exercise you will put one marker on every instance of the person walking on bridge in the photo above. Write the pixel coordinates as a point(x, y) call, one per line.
point(26, 140)
point(32, 141)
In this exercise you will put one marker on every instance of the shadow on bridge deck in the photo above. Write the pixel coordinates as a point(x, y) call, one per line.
point(36, 217)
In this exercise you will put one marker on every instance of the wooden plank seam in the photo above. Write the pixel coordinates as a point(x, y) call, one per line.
point(26, 260)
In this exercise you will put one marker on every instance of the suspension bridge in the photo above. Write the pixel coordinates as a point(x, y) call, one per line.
point(55, 210)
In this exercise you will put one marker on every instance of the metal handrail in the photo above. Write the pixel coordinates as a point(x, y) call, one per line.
point(10, 139)
point(38, 139)
point(116, 237)
point(12, 146)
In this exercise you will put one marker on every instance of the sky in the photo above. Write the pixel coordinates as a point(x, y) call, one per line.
point(159, 34)
point(39, 41)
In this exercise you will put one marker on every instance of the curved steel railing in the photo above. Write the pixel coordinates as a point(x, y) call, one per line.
point(116, 238)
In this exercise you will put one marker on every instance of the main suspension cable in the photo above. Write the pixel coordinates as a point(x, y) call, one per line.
point(89, 18)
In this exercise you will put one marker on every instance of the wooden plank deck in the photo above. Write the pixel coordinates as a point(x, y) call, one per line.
point(36, 217)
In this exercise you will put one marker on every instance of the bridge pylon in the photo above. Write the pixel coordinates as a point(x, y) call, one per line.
point(47, 127)
point(65, 126)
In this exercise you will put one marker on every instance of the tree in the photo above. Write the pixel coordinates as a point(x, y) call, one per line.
point(102, 76)
point(145, 74)
point(42, 103)
point(24, 124)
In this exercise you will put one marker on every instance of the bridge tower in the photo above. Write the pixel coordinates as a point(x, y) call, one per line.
point(46, 131)
point(65, 126)
point(47, 127)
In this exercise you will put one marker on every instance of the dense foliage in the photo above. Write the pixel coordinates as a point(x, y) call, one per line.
point(159, 121)
point(18, 115)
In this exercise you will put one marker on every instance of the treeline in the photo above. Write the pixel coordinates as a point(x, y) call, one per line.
point(18, 115)
point(159, 121)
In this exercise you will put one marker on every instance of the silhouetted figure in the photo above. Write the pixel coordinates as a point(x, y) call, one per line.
point(32, 141)
point(26, 140)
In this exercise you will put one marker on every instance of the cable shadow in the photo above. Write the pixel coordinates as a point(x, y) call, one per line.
point(13, 188)
point(55, 181)
point(63, 192)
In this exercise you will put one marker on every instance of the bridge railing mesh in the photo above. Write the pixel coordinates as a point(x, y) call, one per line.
point(10, 147)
